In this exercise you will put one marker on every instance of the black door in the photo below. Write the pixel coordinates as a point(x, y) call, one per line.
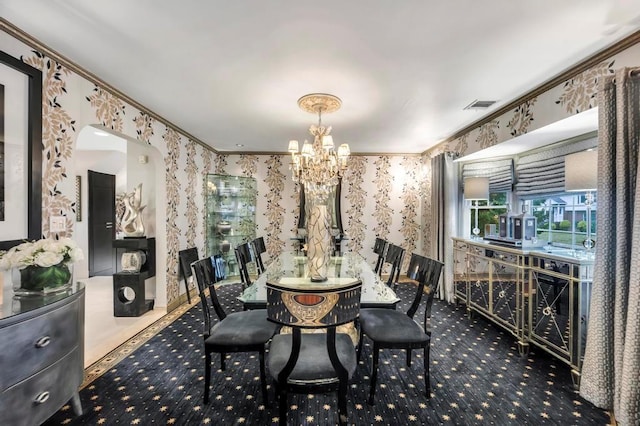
point(102, 215)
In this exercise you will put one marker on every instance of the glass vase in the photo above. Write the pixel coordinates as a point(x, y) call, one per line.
point(38, 280)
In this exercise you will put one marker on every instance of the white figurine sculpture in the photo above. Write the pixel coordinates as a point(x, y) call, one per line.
point(132, 225)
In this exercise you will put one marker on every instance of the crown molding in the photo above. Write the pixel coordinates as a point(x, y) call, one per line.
point(31, 41)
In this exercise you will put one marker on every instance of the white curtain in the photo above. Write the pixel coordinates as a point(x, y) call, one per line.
point(444, 211)
point(611, 369)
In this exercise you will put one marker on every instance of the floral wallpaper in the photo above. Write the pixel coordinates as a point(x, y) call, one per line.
point(193, 180)
point(144, 126)
point(410, 211)
point(58, 138)
point(522, 118)
point(249, 165)
point(383, 213)
point(108, 108)
point(274, 211)
point(219, 165)
point(355, 202)
point(172, 140)
point(488, 134)
point(579, 93)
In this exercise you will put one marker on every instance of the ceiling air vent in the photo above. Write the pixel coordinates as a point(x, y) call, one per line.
point(480, 104)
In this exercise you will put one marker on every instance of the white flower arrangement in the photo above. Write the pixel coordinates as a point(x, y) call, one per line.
point(43, 253)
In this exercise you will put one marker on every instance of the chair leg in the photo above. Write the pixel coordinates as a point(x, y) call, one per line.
point(263, 379)
point(408, 357)
point(282, 395)
point(374, 373)
point(207, 375)
point(427, 378)
point(342, 403)
point(222, 364)
point(186, 286)
point(360, 339)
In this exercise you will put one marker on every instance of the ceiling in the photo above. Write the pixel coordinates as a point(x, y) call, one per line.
point(230, 73)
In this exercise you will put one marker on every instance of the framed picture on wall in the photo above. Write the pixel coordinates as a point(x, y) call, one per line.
point(20, 152)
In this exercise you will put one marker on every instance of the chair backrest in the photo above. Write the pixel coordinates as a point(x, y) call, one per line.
point(394, 256)
point(206, 278)
point(243, 256)
point(186, 257)
point(426, 272)
point(380, 248)
point(258, 249)
point(313, 309)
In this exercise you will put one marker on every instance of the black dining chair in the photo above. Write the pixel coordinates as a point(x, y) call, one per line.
point(246, 331)
point(259, 248)
point(391, 329)
point(244, 257)
point(380, 248)
point(185, 258)
point(394, 256)
point(312, 362)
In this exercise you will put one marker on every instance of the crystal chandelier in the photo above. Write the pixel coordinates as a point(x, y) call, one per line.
point(318, 166)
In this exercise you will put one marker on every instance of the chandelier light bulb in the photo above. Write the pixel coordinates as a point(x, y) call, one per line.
point(327, 142)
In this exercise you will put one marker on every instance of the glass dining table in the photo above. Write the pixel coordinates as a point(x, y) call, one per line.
point(290, 269)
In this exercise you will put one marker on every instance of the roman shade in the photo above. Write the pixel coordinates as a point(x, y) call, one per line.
point(542, 172)
point(499, 172)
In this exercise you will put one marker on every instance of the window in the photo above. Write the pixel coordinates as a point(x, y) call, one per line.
point(563, 219)
point(488, 213)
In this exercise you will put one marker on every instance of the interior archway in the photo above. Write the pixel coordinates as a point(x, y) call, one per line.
point(132, 162)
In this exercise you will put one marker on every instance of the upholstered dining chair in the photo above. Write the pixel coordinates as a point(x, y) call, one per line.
point(246, 331)
point(186, 257)
point(259, 248)
point(380, 248)
point(394, 256)
point(312, 362)
point(392, 329)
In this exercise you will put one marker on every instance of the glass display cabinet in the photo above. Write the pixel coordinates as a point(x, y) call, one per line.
point(230, 216)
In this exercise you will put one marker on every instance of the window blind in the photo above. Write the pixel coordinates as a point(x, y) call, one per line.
point(542, 173)
point(499, 172)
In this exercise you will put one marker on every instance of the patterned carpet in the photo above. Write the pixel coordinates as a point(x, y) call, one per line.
point(476, 374)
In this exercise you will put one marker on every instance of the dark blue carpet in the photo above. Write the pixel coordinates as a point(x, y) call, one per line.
point(477, 377)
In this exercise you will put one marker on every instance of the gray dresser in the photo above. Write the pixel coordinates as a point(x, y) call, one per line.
point(42, 355)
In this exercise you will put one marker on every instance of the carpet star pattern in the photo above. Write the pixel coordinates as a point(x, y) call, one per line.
point(477, 377)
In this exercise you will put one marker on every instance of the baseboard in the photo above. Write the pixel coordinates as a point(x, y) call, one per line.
point(183, 299)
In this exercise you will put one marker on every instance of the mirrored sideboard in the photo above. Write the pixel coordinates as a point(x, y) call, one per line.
point(541, 297)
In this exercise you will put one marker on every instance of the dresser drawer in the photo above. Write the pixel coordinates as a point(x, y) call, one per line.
point(32, 345)
point(32, 401)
